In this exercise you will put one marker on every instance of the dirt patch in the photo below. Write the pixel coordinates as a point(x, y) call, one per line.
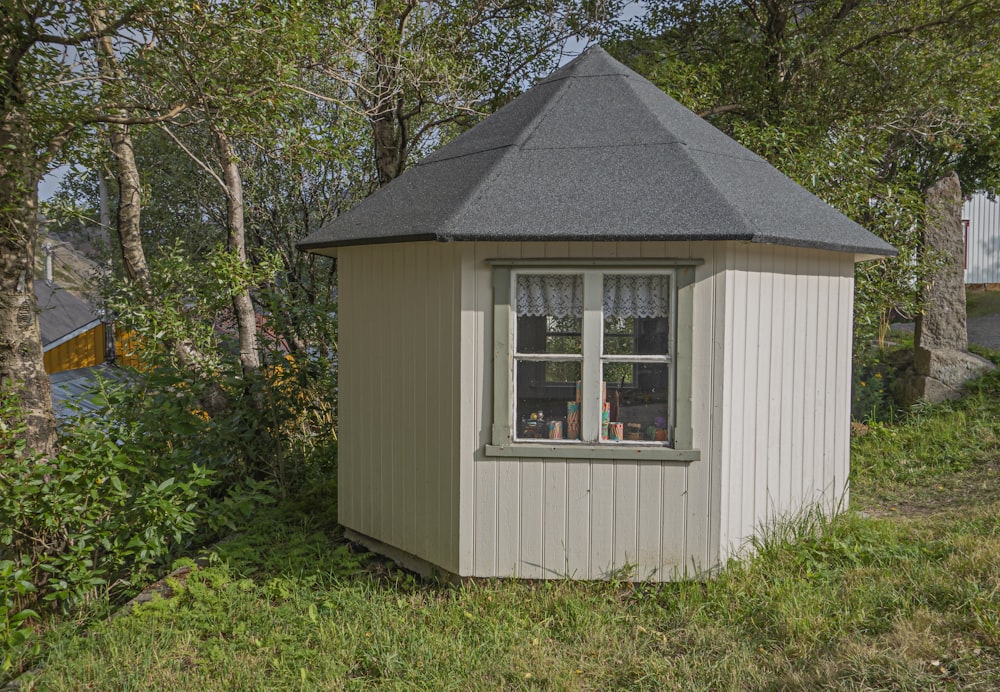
point(945, 498)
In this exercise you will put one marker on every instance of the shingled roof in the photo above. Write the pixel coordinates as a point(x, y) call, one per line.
point(595, 152)
point(61, 314)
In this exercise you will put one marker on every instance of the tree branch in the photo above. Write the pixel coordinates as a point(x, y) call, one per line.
point(56, 143)
point(719, 110)
point(78, 39)
point(905, 31)
point(135, 120)
point(201, 164)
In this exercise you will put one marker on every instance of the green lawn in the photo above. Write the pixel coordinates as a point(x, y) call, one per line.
point(982, 303)
point(900, 592)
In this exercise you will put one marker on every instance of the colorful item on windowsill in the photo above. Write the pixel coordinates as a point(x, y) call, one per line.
point(535, 427)
point(633, 432)
point(573, 420)
point(658, 430)
point(555, 430)
point(616, 431)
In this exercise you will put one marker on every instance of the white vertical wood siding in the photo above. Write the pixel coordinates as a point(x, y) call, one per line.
point(982, 250)
point(771, 358)
point(785, 422)
point(587, 519)
point(399, 344)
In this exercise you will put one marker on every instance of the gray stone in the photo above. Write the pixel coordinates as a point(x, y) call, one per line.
point(949, 366)
point(941, 361)
point(921, 388)
point(943, 325)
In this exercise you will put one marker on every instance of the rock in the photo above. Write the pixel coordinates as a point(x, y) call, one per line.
point(937, 376)
point(916, 388)
point(943, 325)
point(949, 366)
point(941, 360)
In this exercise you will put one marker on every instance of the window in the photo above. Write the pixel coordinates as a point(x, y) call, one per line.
point(587, 361)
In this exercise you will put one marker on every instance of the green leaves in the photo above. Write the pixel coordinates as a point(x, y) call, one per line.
point(863, 103)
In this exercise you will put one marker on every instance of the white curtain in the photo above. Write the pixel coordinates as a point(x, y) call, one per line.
point(636, 295)
point(555, 295)
point(625, 295)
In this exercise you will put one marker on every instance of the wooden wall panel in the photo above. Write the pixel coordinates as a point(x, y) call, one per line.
point(399, 397)
point(553, 518)
point(787, 385)
point(82, 351)
point(770, 400)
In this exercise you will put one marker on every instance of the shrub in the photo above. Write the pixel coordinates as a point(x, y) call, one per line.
point(98, 517)
point(15, 632)
point(873, 378)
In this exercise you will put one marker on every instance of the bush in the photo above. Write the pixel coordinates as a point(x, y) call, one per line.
point(872, 380)
point(15, 632)
point(96, 519)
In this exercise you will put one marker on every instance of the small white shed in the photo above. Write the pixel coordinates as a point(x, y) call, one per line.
point(591, 335)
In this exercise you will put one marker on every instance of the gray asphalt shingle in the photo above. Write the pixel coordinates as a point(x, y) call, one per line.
point(595, 151)
point(60, 312)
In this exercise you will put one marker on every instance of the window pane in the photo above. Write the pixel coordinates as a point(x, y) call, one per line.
point(636, 314)
point(619, 336)
point(637, 400)
point(546, 400)
point(549, 334)
point(636, 336)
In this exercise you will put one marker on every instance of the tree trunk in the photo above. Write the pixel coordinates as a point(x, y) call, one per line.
point(22, 368)
point(127, 172)
point(246, 321)
point(129, 210)
point(102, 193)
point(390, 145)
point(390, 138)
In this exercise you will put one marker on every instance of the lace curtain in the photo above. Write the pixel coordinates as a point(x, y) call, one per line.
point(625, 295)
point(636, 295)
point(555, 295)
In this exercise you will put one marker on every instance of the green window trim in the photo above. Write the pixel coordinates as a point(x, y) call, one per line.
point(503, 442)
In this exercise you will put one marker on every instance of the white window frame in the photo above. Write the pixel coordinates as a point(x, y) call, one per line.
point(504, 442)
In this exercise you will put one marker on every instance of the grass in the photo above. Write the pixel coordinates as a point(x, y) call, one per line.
point(901, 592)
point(982, 303)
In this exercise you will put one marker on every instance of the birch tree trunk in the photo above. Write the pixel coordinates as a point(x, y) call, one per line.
point(22, 367)
point(246, 322)
point(129, 196)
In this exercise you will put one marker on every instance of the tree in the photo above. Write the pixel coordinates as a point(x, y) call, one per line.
point(415, 69)
point(866, 103)
point(47, 99)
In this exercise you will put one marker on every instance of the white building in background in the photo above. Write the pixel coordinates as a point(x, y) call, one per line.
point(981, 218)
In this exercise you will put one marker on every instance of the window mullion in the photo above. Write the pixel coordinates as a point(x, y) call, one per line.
point(590, 414)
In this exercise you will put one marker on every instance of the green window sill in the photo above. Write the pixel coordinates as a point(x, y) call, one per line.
point(578, 451)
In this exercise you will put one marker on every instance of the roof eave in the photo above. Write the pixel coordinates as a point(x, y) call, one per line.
point(317, 247)
point(861, 253)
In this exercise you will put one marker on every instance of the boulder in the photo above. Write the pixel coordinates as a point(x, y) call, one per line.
point(951, 367)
